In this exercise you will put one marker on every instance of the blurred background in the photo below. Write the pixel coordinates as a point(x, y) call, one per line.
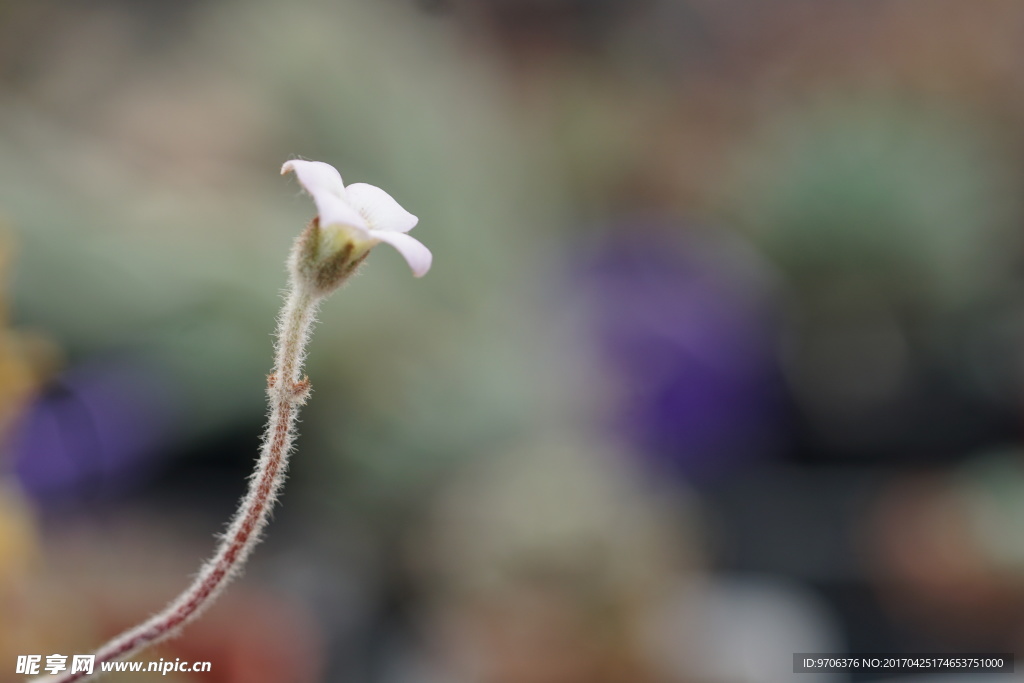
point(721, 357)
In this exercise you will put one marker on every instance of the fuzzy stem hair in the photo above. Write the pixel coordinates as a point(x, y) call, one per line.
point(287, 391)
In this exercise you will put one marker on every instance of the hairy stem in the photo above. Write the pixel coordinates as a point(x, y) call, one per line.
point(286, 392)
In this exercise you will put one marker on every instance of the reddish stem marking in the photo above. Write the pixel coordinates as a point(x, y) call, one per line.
point(226, 561)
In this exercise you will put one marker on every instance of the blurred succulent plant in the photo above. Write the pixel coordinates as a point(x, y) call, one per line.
point(891, 221)
point(245, 85)
point(900, 201)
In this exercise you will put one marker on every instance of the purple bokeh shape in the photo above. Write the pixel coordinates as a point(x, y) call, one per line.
point(96, 433)
point(688, 320)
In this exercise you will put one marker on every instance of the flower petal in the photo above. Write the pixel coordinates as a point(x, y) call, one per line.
point(336, 211)
point(323, 183)
point(416, 255)
point(380, 209)
point(316, 176)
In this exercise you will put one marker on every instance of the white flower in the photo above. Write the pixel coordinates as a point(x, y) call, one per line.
point(361, 214)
